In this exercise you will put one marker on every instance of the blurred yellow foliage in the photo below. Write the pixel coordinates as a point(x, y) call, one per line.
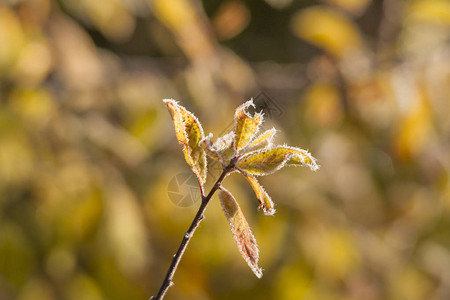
point(12, 40)
point(353, 6)
point(181, 17)
point(35, 106)
point(294, 283)
point(327, 29)
point(430, 11)
point(83, 287)
point(333, 251)
point(176, 14)
point(231, 19)
point(415, 127)
point(409, 283)
point(36, 289)
point(88, 155)
point(16, 159)
point(323, 105)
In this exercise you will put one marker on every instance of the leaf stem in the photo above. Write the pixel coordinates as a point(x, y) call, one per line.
point(188, 234)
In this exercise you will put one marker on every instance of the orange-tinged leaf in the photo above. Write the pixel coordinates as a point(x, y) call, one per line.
point(265, 202)
point(266, 162)
point(177, 121)
point(189, 133)
point(245, 126)
point(241, 231)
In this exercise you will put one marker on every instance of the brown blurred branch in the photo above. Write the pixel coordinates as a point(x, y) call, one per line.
point(188, 234)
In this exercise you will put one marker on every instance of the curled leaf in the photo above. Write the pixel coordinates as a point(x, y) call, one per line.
point(245, 126)
point(189, 133)
point(303, 158)
point(222, 149)
point(265, 202)
point(264, 140)
point(241, 231)
point(206, 144)
point(266, 162)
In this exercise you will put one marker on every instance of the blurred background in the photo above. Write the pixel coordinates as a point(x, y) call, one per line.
point(91, 175)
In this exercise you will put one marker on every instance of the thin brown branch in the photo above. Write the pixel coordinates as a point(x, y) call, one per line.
point(188, 235)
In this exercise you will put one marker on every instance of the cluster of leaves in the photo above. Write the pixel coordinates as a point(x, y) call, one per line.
point(84, 166)
point(241, 150)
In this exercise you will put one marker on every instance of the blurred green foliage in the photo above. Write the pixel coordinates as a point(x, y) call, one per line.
point(87, 148)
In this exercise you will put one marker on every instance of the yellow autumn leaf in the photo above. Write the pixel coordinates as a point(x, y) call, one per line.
point(241, 231)
point(245, 126)
point(189, 133)
point(266, 162)
point(265, 202)
point(264, 140)
point(303, 158)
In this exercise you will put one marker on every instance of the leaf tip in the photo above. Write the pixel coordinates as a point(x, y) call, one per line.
point(241, 231)
point(269, 211)
point(258, 272)
point(170, 101)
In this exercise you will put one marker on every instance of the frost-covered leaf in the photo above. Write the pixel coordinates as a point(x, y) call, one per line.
point(264, 140)
point(265, 202)
point(207, 145)
point(241, 231)
point(303, 158)
point(266, 162)
point(245, 126)
point(189, 133)
point(222, 149)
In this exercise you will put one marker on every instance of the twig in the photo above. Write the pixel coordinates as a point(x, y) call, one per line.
point(188, 234)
